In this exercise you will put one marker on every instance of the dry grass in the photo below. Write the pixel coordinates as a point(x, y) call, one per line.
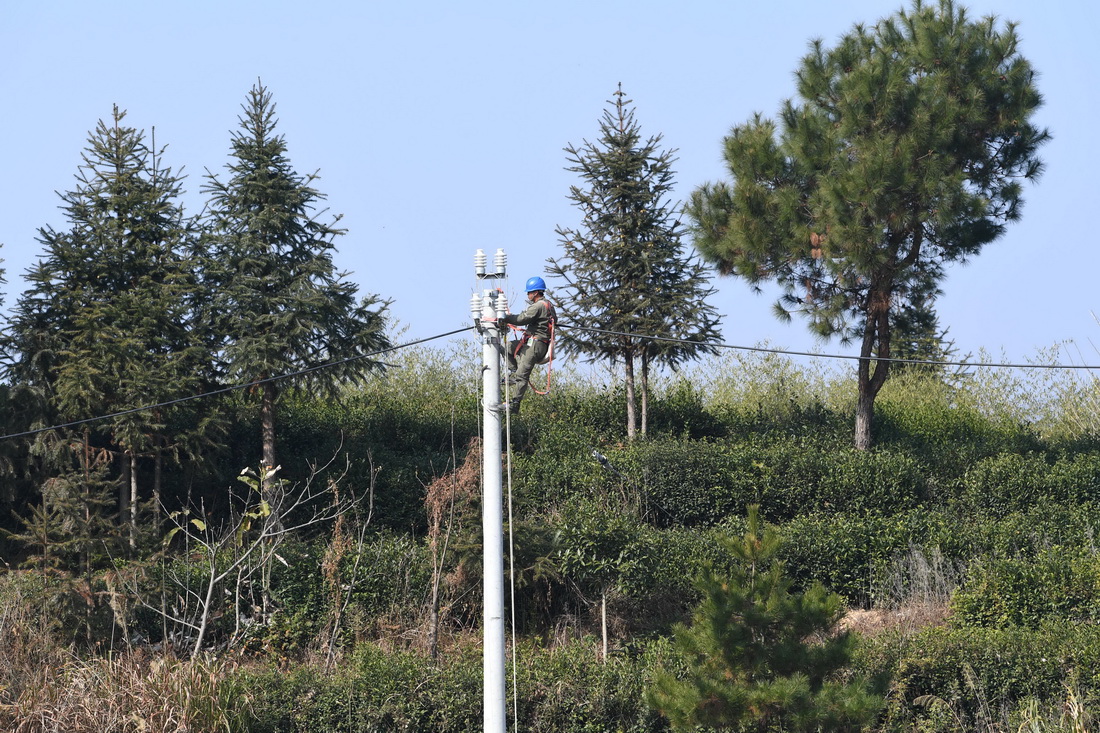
point(914, 593)
point(132, 692)
point(46, 687)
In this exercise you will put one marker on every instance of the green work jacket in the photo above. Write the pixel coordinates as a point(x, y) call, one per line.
point(535, 318)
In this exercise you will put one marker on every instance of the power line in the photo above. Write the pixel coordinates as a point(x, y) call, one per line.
point(785, 352)
point(564, 325)
point(235, 387)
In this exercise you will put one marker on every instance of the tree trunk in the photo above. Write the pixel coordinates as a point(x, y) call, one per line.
point(865, 412)
point(631, 419)
point(875, 331)
point(603, 621)
point(205, 607)
point(158, 477)
point(123, 488)
point(267, 419)
point(133, 500)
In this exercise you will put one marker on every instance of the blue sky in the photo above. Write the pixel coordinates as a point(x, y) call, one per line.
point(438, 128)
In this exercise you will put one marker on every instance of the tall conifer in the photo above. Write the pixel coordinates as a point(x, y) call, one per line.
point(276, 303)
point(625, 270)
point(106, 325)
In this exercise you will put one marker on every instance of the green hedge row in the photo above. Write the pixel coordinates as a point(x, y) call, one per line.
point(1061, 583)
point(682, 482)
point(861, 556)
point(560, 690)
point(941, 679)
point(949, 679)
point(685, 482)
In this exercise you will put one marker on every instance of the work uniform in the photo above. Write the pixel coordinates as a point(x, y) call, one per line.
point(536, 320)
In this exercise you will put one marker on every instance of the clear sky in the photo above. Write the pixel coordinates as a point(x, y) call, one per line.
point(439, 128)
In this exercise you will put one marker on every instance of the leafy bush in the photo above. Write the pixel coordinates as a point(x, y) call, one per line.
point(969, 672)
point(679, 409)
point(1027, 533)
point(387, 582)
point(770, 394)
point(1061, 583)
point(1005, 483)
point(561, 690)
point(1075, 478)
point(686, 483)
point(942, 423)
point(879, 481)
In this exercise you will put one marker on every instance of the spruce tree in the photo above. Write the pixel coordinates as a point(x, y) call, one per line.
point(106, 324)
point(907, 152)
point(625, 270)
point(759, 656)
point(276, 303)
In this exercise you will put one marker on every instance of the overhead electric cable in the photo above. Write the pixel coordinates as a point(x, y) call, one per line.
point(786, 352)
point(235, 387)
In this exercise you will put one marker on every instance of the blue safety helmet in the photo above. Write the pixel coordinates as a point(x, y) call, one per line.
point(535, 283)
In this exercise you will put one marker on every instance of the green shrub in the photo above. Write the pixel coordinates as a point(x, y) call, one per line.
point(791, 477)
point(1061, 583)
point(970, 671)
point(760, 393)
point(561, 690)
point(856, 555)
point(570, 689)
point(389, 581)
point(1005, 483)
point(687, 483)
point(872, 481)
point(840, 552)
point(1026, 533)
point(680, 409)
point(1075, 479)
point(693, 483)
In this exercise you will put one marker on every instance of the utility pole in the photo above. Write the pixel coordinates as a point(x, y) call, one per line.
point(488, 310)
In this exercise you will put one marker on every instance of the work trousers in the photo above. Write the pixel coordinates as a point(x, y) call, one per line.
point(531, 352)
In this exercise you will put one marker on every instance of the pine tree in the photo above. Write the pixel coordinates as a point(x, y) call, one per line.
point(276, 303)
point(759, 656)
point(625, 270)
point(106, 325)
point(907, 152)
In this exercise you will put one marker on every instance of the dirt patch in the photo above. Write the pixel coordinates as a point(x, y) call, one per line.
point(876, 621)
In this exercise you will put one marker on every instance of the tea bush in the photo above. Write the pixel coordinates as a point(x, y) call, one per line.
point(1005, 483)
point(970, 673)
point(1061, 583)
point(562, 689)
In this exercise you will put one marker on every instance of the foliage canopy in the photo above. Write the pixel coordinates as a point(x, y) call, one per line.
point(905, 153)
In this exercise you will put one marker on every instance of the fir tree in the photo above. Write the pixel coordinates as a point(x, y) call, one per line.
point(276, 304)
point(907, 152)
point(625, 270)
point(105, 325)
point(760, 657)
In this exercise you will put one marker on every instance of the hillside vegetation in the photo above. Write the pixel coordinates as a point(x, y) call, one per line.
point(963, 547)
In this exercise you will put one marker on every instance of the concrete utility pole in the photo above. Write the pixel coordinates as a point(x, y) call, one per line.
point(488, 310)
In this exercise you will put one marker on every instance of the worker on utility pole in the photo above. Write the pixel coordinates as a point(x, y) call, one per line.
point(531, 349)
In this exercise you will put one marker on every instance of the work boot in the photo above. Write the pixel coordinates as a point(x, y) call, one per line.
point(513, 406)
